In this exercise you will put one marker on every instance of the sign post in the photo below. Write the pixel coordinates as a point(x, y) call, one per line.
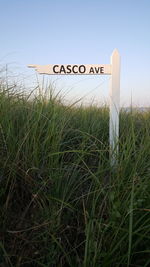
point(112, 69)
point(114, 107)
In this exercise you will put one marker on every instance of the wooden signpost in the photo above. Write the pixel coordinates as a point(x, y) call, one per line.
point(112, 69)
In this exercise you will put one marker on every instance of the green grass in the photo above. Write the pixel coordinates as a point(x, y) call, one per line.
point(61, 203)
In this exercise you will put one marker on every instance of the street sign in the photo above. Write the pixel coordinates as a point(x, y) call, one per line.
point(72, 69)
point(112, 69)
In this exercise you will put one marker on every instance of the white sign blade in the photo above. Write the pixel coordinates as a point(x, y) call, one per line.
point(73, 69)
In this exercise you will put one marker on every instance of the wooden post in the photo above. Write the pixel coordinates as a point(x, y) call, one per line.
point(114, 107)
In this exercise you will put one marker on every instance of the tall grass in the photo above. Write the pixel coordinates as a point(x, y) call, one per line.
point(61, 203)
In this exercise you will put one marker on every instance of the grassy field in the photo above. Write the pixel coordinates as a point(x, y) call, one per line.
point(61, 203)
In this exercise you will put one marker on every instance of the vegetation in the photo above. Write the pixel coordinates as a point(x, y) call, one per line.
point(61, 203)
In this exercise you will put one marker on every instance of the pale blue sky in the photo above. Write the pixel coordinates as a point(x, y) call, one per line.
point(82, 32)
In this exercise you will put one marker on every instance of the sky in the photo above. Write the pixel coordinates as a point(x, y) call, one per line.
point(79, 32)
